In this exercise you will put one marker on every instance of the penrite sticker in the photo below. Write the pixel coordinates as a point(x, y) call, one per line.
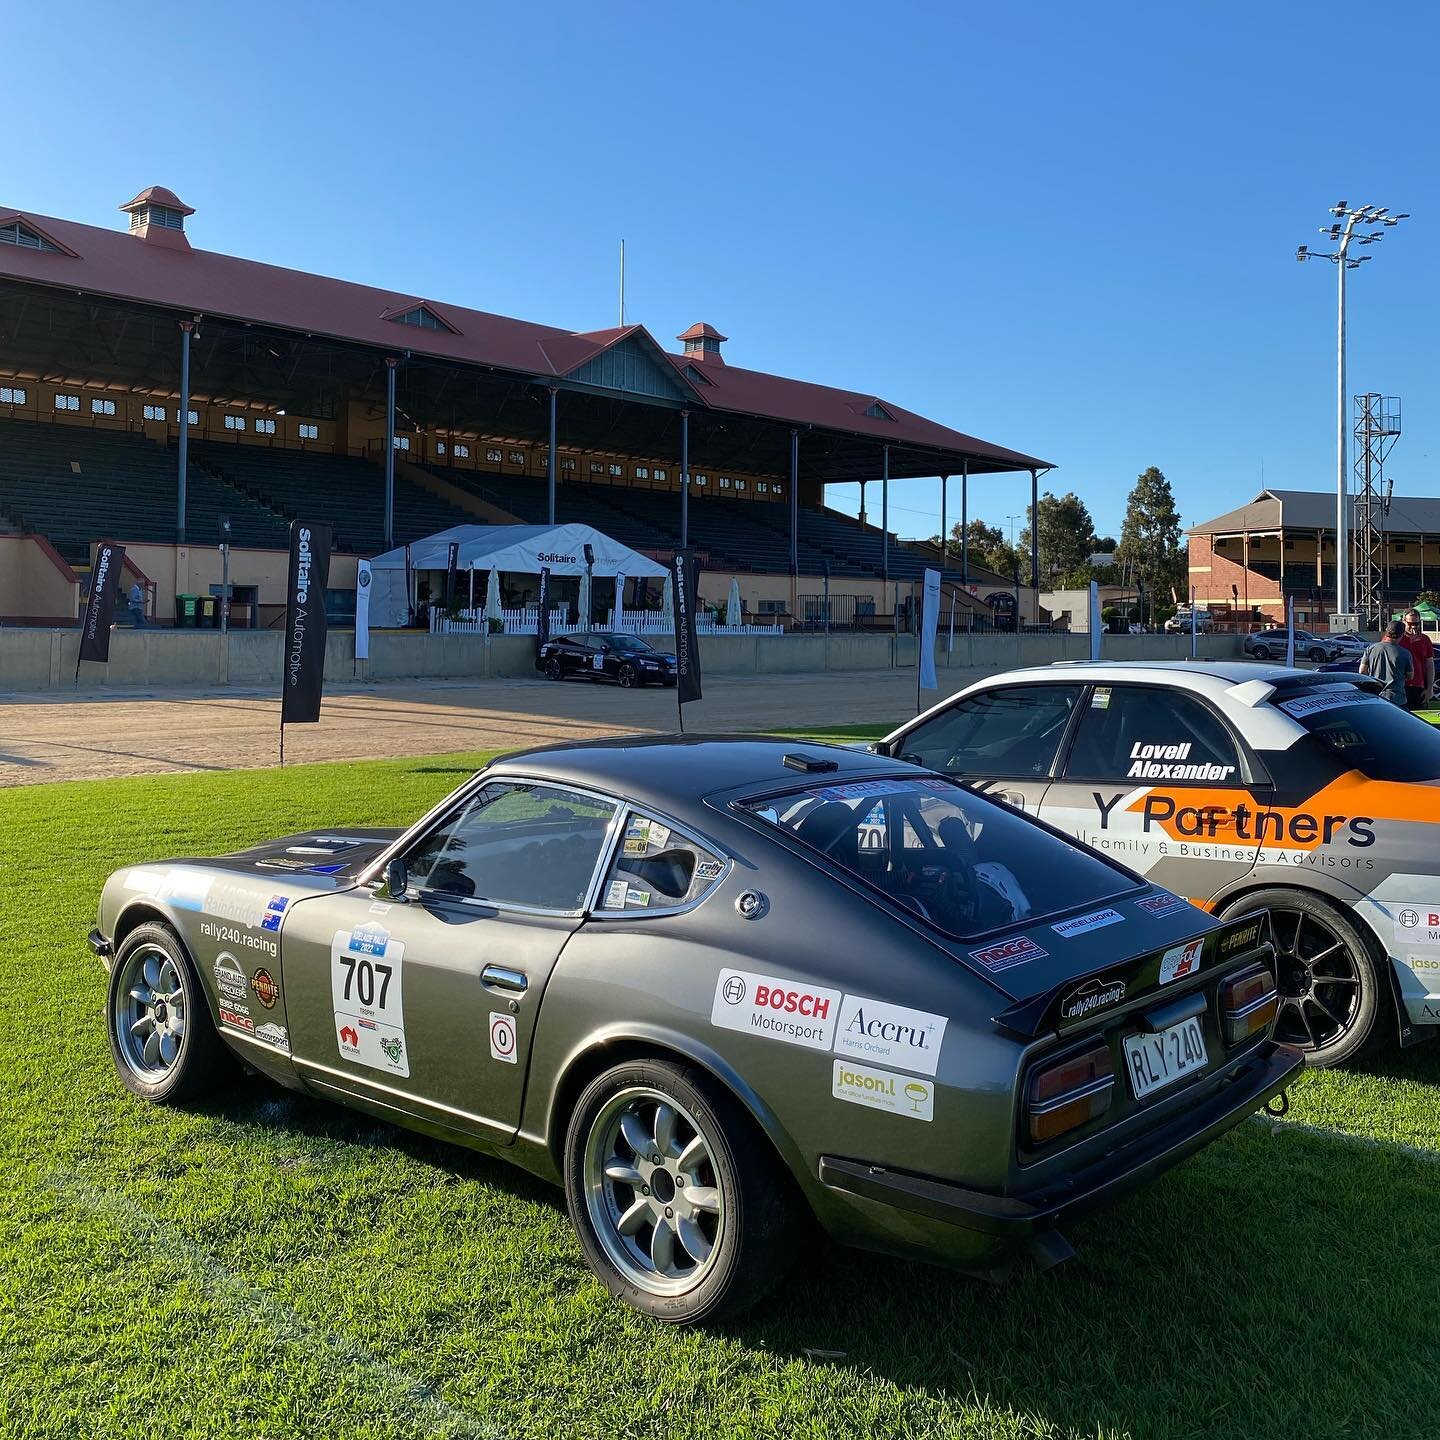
point(265, 988)
point(1181, 960)
point(1241, 939)
point(1007, 953)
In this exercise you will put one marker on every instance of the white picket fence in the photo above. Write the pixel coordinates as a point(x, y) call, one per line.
point(635, 622)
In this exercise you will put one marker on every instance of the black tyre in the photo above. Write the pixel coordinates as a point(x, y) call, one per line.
point(1261, 652)
point(161, 1036)
point(1334, 993)
point(683, 1210)
point(553, 670)
point(627, 676)
point(1316, 653)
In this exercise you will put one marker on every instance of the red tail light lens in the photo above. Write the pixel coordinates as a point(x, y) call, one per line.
point(1070, 1093)
point(1248, 1002)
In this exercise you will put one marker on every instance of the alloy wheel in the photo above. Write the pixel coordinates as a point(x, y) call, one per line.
point(150, 1013)
point(627, 675)
point(1318, 980)
point(651, 1191)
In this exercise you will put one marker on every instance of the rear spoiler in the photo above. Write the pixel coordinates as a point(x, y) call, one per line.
point(1072, 1004)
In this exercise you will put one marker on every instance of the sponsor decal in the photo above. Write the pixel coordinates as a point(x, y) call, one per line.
point(274, 912)
point(265, 988)
point(883, 1090)
point(237, 1018)
point(874, 1030)
point(1090, 996)
point(861, 788)
point(1181, 960)
point(1158, 905)
point(1007, 953)
point(323, 869)
point(1084, 924)
point(634, 896)
point(615, 895)
point(1244, 938)
point(709, 869)
point(1172, 762)
point(234, 935)
point(776, 1008)
point(367, 994)
point(502, 1037)
point(276, 1035)
point(1418, 925)
point(634, 845)
point(1246, 822)
point(230, 981)
point(1331, 699)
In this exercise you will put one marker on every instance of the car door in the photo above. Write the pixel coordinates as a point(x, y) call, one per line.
point(1155, 778)
point(1003, 741)
point(428, 1002)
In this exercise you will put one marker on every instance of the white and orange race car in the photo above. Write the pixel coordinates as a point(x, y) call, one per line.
point(1237, 786)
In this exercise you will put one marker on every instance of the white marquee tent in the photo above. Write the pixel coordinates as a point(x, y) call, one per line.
point(510, 549)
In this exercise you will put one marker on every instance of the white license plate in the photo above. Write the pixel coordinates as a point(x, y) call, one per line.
point(1155, 1061)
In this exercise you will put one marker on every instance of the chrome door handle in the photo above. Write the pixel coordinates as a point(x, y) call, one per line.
point(1013, 798)
point(503, 978)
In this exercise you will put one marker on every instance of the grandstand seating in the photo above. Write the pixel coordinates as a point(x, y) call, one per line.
point(76, 485)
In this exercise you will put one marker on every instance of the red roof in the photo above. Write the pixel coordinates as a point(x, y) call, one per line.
point(115, 264)
point(159, 195)
point(701, 331)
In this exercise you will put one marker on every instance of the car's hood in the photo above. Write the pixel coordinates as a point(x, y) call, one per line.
point(341, 853)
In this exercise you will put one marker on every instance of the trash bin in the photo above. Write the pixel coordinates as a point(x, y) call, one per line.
point(186, 610)
point(208, 614)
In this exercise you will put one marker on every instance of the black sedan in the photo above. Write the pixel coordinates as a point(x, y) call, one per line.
point(614, 655)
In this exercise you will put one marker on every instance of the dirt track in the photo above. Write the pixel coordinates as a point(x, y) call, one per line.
point(63, 738)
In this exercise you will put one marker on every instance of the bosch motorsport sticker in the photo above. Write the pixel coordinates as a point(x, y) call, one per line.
point(775, 1008)
point(1417, 925)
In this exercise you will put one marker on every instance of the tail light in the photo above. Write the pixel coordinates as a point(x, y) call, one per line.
point(1070, 1093)
point(1248, 1002)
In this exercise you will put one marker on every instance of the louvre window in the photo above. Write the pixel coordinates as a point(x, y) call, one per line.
point(309, 432)
point(567, 463)
point(402, 442)
point(659, 473)
point(494, 456)
point(642, 472)
point(157, 215)
point(234, 422)
point(724, 482)
point(11, 395)
point(617, 469)
point(597, 467)
point(761, 488)
point(517, 457)
point(423, 318)
point(154, 412)
point(102, 407)
point(462, 452)
point(192, 417)
point(16, 232)
point(67, 402)
point(876, 411)
point(695, 377)
point(265, 427)
point(439, 447)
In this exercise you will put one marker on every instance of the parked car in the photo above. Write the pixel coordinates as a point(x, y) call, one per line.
point(722, 992)
point(1271, 644)
point(1347, 643)
point(1179, 622)
point(1237, 786)
point(615, 655)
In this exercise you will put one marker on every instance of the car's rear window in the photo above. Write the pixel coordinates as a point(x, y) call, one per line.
point(1365, 733)
point(962, 863)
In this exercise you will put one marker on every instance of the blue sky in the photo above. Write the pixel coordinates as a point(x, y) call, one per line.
point(1069, 229)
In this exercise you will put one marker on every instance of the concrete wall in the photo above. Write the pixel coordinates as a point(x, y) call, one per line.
point(39, 659)
point(35, 581)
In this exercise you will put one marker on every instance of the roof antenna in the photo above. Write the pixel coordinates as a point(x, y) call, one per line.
point(622, 284)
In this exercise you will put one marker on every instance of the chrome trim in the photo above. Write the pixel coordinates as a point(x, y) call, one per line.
point(408, 1095)
point(594, 912)
point(1091, 1087)
point(504, 978)
point(1253, 1006)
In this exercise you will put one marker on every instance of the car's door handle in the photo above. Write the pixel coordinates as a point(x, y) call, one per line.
point(503, 978)
point(1014, 798)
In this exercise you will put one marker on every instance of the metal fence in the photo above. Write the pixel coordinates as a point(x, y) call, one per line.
point(526, 621)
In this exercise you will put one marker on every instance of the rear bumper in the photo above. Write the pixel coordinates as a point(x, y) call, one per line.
point(101, 946)
point(1000, 1223)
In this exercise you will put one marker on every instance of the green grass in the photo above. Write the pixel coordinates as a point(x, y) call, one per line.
point(269, 1265)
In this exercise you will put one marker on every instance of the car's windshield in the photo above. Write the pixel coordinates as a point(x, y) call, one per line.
point(965, 864)
point(1366, 733)
point(628, 643)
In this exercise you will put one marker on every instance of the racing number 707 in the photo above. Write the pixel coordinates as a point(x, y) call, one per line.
point(362, 975)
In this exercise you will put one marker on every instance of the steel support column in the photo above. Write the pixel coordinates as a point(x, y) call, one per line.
point(390, 364)
point(944, 484)
point(1035, 532)
point(186, 326)
point(965, 522)
point(684, 479)
point(553, 461)
point(794, 503)
point(885, 516)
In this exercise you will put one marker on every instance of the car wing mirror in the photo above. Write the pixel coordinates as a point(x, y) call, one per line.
point(396, 881)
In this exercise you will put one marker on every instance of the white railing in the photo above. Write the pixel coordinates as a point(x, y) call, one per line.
point(635, 622)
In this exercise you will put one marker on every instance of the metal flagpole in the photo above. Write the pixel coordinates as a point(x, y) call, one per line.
point(1193, 633)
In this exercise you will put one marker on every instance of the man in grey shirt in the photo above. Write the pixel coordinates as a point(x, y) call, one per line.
point(1389, 662)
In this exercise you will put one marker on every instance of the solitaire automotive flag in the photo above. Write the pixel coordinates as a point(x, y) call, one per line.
point(363, 580)
point(685, 580)
point(542, 629)
point(304, 675)
point(929, 619)
point(100, 607)
point(452, 560)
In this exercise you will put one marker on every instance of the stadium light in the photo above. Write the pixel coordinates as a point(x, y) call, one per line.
point(1342, 234)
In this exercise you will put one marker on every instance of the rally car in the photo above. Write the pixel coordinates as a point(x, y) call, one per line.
point(720, 990)
point(615, 655)
point(1239, 786)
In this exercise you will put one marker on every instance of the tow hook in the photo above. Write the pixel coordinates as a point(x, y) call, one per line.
point(1278, 1106)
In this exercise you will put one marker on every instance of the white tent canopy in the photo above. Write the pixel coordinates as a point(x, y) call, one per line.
point(511, 549)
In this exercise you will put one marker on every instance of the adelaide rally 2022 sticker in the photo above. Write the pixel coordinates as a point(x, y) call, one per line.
point(367, 977)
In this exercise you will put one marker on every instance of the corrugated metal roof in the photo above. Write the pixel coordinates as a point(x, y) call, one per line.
point(1315, 510)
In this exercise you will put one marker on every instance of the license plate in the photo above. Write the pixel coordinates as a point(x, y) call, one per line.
point(1155, 1061)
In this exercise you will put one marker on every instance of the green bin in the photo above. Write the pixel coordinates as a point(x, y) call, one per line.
point(186, 611)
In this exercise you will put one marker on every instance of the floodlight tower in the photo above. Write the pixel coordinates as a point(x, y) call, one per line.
point(1377, 427)
point(1341, 233)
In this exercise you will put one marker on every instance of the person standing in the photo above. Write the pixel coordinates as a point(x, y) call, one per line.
point(1389, 662)
point(1420, 687)
point(136, 600)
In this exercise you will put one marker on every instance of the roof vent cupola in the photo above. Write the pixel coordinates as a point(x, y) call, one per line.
point(703, 342)
point(158, 215)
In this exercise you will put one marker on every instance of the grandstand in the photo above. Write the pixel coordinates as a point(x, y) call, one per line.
point(135, 370)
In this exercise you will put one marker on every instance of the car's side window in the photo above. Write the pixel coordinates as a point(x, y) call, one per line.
point(657, 868)
point(514, 843)
point(1015, 731)
point(1148, 733)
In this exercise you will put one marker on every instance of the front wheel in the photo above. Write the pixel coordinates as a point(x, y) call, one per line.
point(1332, 987)
point(1316, 653)
point(1261, 652)
point(161, 1037)
point(682, 1209)
point(627, 676)
point(552, 669)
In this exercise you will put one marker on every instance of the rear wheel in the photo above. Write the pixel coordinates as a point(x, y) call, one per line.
point(1329, 974)
point(1316, 653)
point(682, 1209)
point(627, 676)
point(161, 1037)
point(1261, 652)
point(552, 669)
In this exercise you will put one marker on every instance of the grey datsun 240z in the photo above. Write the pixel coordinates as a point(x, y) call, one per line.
point(720, 989)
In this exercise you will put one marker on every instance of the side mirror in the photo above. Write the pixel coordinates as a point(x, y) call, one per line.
point(878, 747)
point(397, 879)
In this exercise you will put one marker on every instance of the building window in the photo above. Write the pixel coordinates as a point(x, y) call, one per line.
point(192, 417)
point(779, 488)
point(642, 472)
point(741, 484)
point(724, 482)
point(597, 467)
point(234, 422)
point(309, 432)
point(154, 412)
point(11, 395)
point(16, 232)
point(67, 402)
point(617, 469)
point(439, 447)
point(517, 457)
point(102, 407)
point(762, 488)
point(659, 473)
point(699, 477)
point(402, 442)
point(567, 463)
point(494, 456)
point(876, 411)
point(461, 452)
point(265, 427)
point(772, 607)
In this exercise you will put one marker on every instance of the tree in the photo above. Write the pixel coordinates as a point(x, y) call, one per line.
point(1067, 538)
point(1149, 551)
point(989, 549)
